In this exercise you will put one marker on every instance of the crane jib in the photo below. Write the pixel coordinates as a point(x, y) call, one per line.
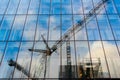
point(78, 26)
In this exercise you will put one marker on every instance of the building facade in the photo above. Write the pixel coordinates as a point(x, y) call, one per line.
point(94, 48)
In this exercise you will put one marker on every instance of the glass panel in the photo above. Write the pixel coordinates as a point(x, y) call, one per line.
point(24, 59)
point(77, 7)
point(92, 30)
point(98, 59)
point(87, 6)
point(2, 46)
point(5, 34)
point(12, 7)
point(102, 9)
point(56, 7)
point(38, 63)
point(10, 53)
point(117, 3)
point(23, 7)
point(3, 6)
point(53, 64)
point(110, 8)
point(112, 58)
point(1, 18)
point(66, 22)
point(80, 33)
point(117, 63)
point(7, 22)
point(34, 7)
point(42, 27)
point(118, 46)
point(16, 32)
point(104, 27)
point(115, 25)
point(30, 26)
point(45, 7)
point(5, 27)
point(54, 27)
point(83, 58)
point(66, 7)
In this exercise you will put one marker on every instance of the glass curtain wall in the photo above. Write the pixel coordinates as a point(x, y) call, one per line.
point(33, 24)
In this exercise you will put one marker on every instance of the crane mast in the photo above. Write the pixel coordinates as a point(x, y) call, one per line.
point(68, 51)
point(66, 37)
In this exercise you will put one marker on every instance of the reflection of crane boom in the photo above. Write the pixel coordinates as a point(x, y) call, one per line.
point(18, 67)
point(78, 26)
point(75, 28)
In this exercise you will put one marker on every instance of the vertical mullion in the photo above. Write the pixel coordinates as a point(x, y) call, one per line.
point(36, 27)
point(46, 62)
point(84, 25)
point(60, 38)
point(49, 20)
point(101, 40)
point(88, 40)
point(74, 41)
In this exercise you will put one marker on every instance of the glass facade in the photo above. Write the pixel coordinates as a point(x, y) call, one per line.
point(94, 49)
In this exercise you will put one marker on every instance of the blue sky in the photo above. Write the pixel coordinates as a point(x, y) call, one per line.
point(43, 22)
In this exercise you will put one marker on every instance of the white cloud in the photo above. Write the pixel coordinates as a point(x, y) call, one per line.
point(19, 21)
point(52, 19)
point(110, 50)
point(111, 55)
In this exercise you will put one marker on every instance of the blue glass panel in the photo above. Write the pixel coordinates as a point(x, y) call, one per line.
point(117, 4)
point(10, 53)
point(3, 6)
point(115, 25)
point(92, 30)
point(16, 32)
point(77, 7)
point(87, 6)
point(30, 26)
point(104, 26)
point(56, 7)
point(23, 7)
point(2, 47)
point(12, 7)
point(80, 33)
point(66, 22)
point(45, 7)
point(5, 34)
point(54, 27)
point(34, 7)
point(7, 22)
point(42, 27)
point(110, 7)
point(1, 18)
point(66, 7)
